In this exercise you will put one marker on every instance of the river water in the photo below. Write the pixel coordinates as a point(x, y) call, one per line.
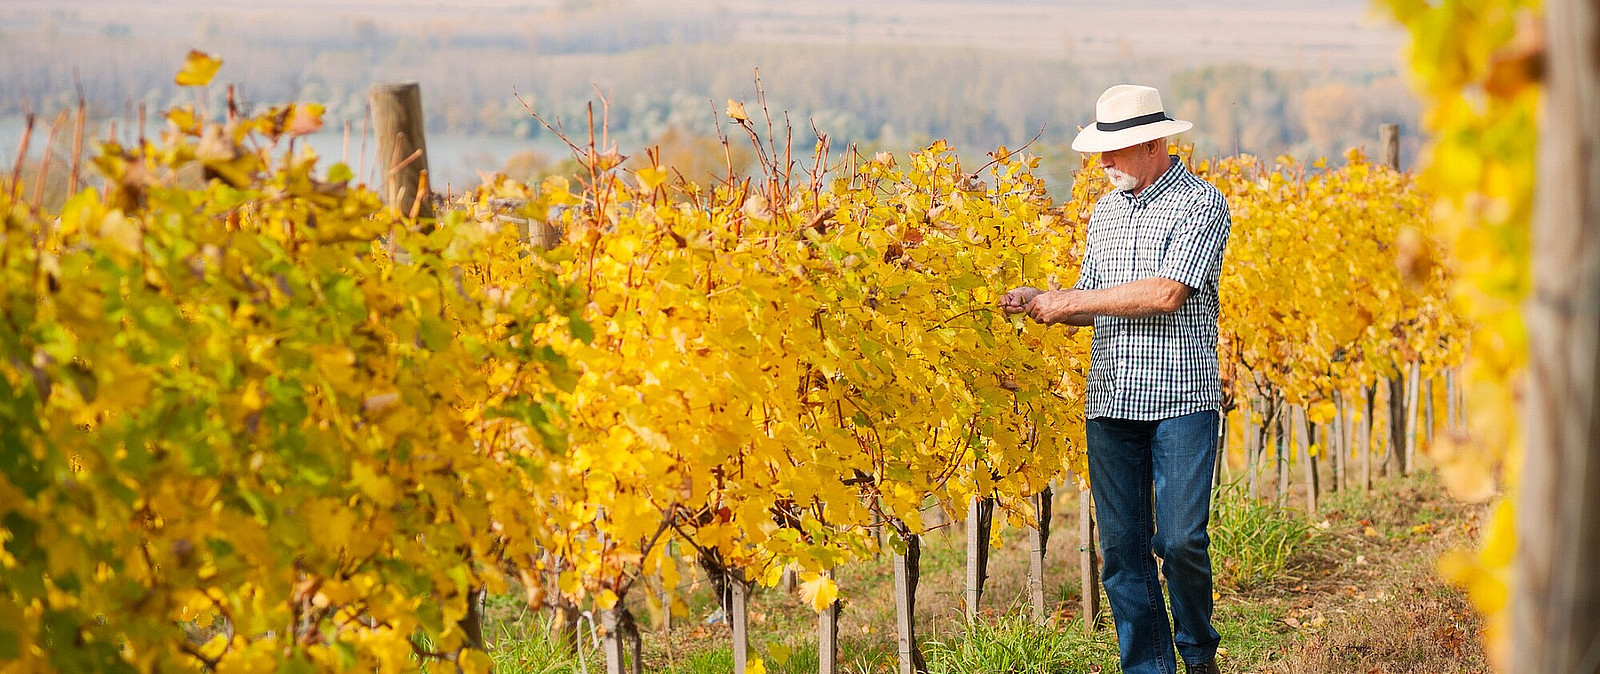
point(453, 159)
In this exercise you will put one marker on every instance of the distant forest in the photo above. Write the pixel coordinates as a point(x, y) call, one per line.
point(664, 71)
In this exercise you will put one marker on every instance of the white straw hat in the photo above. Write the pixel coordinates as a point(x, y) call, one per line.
point(1127, 115)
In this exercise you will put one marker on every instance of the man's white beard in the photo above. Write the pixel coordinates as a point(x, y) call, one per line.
point(1120, 180)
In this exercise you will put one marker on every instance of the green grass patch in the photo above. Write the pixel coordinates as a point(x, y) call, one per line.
point(1014, 644)
point(536, 655)
point(1253, 541)
point(524, 646)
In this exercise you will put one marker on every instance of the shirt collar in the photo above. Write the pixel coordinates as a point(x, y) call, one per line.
point(1168, 178)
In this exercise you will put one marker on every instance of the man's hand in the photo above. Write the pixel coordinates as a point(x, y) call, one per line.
point(1016, 301)
point(1055, 306)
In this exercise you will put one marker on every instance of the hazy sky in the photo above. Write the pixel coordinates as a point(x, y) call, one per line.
point(663, 60)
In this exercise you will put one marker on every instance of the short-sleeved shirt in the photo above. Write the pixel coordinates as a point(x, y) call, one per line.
point(1163, 366)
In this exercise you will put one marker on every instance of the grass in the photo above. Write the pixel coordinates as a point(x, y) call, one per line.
point(1253, 542)
point(1017, 645)
point(537, 655)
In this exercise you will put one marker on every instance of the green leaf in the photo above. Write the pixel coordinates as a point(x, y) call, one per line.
point(10, 647)
point(340, 173)
point(581, 330)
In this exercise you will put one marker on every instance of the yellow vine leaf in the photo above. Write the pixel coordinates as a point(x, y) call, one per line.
point(198, 69)
point(819, 591)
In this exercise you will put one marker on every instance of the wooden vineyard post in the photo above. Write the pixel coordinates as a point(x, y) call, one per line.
point(611, 643)
point(788, 581)
point(935, 518)
point(1556, 625)
point(1365, 446)
point(1413, 391)
point(828, 636)
point(1450, 400)
point(1428, 420)
point(1389, 143)
point(665, 598)
point(907, 570)
point(402, 149)
point(1088, 563)
point(622, 644)
point(980, 516)
point(1336, 442)
point(1395, 461)
point(1348, 440)
point(541, 234)
point(1302, 431)
point(1285, 450)
point(1252, 445)
point(1039, 539)
point(739, 620)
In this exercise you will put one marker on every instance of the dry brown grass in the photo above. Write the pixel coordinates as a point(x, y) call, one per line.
point(1372, 601)
point(1432, 630)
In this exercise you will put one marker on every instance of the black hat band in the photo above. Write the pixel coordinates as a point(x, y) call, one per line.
point(1141, 120)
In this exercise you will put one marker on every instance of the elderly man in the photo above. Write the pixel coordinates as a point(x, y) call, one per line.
point(1148, 285)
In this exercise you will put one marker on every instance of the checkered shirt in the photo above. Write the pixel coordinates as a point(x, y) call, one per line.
point(1164, 366)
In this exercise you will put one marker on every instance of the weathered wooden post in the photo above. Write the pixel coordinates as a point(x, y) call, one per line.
point(622, 644)
point(1285, 451)
point(1395, 461)
point(739, 620)
point(1366, 439)
point(1347, 444)
point(611, 644)
point(1088, 563)
point(936, 518)
point(1399, 452)
point(828, 636)
point(1413, 392)
point(402, 149)
point(1308, 434)
point(1450, 401)
point(1556, 626)
point(1389, 144)
point(1039, 539)
point(789, 580)
point(907, 570)
point(664, 592)
point(1336, 442)
point(980, 520)
point(665, 599)
point(1250, 448)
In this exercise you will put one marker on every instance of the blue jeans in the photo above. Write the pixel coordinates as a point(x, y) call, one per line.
point(1175, 457)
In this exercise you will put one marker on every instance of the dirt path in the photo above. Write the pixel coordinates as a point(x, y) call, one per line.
point(1370, 600)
